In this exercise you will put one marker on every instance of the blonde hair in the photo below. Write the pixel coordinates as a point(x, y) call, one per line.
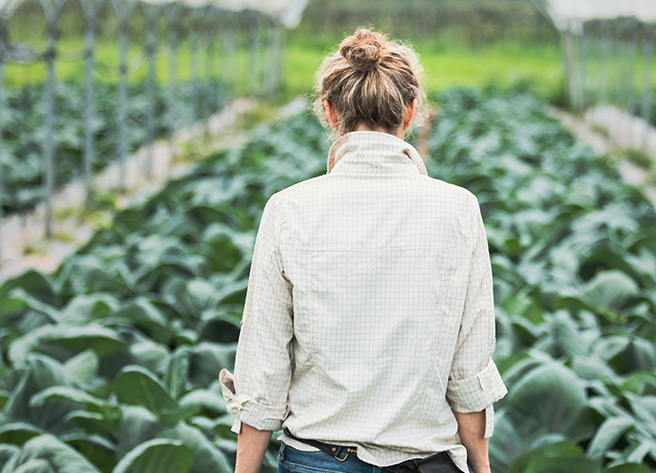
point(369, 81)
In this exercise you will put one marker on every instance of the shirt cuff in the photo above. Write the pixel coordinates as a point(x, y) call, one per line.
point(248, 410)
point(489, 421)
point(477, 392)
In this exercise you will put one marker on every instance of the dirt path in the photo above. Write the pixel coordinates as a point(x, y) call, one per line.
point(22, 236)
point(624, 131)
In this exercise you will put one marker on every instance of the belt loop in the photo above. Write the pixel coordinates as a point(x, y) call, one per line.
point(338, 453)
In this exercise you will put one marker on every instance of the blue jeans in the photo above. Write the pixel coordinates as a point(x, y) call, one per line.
point(292, 460)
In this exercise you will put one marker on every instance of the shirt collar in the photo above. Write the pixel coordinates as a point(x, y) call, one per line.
point(373, 152)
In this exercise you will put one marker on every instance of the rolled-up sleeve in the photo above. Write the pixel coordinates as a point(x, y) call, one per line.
point(474, 380)
point(257, 392)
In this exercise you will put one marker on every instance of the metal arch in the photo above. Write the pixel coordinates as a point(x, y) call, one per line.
point(91, 8)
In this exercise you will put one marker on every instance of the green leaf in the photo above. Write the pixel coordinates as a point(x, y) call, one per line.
point(7, 450)
point(19, 432)
point(607, 435)
point(628, 468)
point(102, 340)
point(610, 289)
point(137, 425)
point(204, 399)
point(562, 400)
point(559, 457)
point(83, 366)
point(152, 355)
point(37, 465)
point(143, 313)
point(177, 372)
point(97, 449)
point(85, 308)
point(207, 359)
point(96, 423)
point(157, 456)
point(36, 284)
point(42, 371)
point(58, 455)
point(68, 393)
point(139, 386)
point(208, 457)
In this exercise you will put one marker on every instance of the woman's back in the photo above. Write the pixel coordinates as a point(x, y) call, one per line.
point(369, 315)
point(378, 254)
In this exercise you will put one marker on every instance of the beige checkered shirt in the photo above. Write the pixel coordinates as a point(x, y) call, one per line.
point(369, 313)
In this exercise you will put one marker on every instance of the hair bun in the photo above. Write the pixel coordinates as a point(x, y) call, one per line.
point(362, 50)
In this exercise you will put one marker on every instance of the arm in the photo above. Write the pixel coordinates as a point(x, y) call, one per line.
point(257, 393)
point(251, 448)
point(471, 429)
point(474, 382)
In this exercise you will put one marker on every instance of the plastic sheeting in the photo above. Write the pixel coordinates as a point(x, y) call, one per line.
point(287, 12)
point(572, 14)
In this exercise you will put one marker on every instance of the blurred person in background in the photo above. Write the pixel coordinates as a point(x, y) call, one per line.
point(368, 327)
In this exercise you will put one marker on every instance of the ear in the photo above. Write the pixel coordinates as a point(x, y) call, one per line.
point(410, 114)
point(330, 115)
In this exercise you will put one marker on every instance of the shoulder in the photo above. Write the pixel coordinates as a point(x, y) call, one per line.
point(461, 198)
point(300, 190)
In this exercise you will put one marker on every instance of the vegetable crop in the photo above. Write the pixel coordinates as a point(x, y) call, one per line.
point(574, 263)
point(23, 165)
point(111, 363)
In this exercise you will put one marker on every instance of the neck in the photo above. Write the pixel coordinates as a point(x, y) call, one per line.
point(400, 133)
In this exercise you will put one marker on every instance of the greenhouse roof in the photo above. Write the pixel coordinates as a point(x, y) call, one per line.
point(572, 14)
point(288, 12)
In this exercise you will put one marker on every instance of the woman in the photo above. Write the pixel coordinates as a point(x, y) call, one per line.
point(368, 327)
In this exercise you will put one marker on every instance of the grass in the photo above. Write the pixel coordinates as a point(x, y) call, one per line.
point(448, 62)
point(538, 66)
point(446, 65)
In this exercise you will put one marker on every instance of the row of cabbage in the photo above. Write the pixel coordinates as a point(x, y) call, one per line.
point(24, 111)
point(574, 261)
point(110, 364)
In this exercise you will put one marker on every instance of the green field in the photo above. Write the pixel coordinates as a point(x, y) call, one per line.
point(503, 63)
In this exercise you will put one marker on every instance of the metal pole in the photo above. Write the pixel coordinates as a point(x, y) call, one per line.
point(123, 10)
point(605, 59)
point(230, 62)
point(618, 56)
point(209, 58)
point(583, 43)
point(151, 25)
point(647, 48)
point(193, 60)
point(3, 49)
point(206, 104)
point(50, 11)
point(89, 7)
point(282, 59)
point(173, 12)
point(568, 62)
point(252, 79)
point(216, 70)
point(269, 56)
point(631, 69)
